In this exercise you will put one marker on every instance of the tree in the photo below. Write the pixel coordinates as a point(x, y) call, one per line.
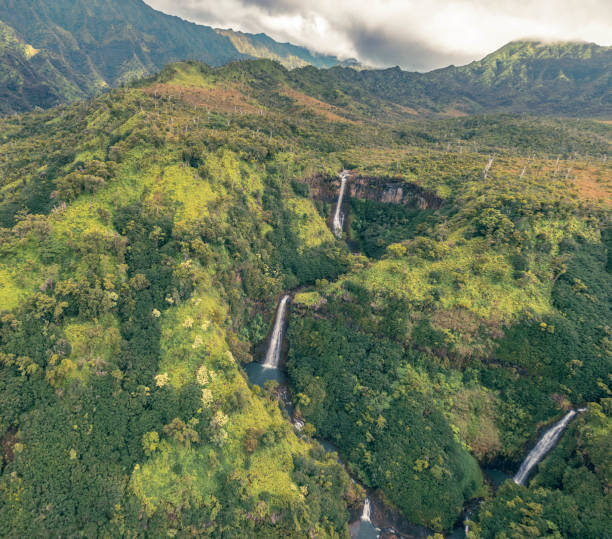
point(150, 442)
point(396, 250)
point(182, 432)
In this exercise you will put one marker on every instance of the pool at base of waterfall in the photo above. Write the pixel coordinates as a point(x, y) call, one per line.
point(367, 530)
point(259, 375)
point(496, 477)
point(458, 533)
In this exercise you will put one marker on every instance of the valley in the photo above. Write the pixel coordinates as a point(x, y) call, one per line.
point(210, 274)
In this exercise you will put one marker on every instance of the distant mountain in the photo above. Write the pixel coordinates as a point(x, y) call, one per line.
point(287, 54)
point(572, 79)
point(85, 46)
point(30, 77)
point(54, 51)
point(564, 77)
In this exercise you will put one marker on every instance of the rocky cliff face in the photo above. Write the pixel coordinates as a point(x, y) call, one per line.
point(393, 191)
point(385, 190)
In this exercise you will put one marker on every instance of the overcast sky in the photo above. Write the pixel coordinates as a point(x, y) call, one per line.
point(415, 34)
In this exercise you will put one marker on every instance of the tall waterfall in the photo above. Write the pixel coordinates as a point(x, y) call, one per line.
point(338, 221)
point(544, 445)
point(367, 511)
point(276, 341)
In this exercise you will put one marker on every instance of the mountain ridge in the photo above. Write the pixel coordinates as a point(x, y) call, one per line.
point(86, 47)
point(104, 43)
point(570, 86)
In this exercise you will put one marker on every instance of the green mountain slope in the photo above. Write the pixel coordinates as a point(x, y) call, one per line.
point(101, 43)
point(86, 47)
point(146, 236)
point(290, 56)
point(31, 77)
point(566, 79)
point(131, 391)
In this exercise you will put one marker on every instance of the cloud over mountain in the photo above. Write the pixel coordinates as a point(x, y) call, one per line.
point(415, 34)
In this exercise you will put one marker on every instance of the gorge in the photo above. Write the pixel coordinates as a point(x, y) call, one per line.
point(208, 327)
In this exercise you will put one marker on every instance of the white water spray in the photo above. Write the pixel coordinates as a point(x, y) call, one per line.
point(276, 341)
point(338, 221)
point(366, 516)
point(544, 445)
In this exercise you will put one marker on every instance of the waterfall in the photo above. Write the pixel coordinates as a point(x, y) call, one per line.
point(367, 511)
point(467, 521)
point(544, 445)
point(276, 341)
point(367, 530)
point(338, 221)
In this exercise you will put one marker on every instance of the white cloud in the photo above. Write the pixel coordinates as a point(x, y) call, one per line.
point(416, 34)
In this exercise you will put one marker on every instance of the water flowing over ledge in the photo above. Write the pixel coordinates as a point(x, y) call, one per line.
point(366, 529)
point(276, 341)
point(545, 444)
point(367, 511)
point(338, 222)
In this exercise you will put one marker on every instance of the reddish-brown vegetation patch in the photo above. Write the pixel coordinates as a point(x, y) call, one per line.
point(594, 183)
point(455, 113)
point(318, 107)
point(7, 443)
point(217, 98)
point(409, 110)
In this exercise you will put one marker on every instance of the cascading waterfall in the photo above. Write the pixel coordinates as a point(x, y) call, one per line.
point(276, 341)
point(366, 529)
point(468, 516)
point(544, 445)
point(366, 516)
point(338, 221)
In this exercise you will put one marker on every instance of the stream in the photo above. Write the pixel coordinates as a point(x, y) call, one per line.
point(365, 527)
point(270, 369)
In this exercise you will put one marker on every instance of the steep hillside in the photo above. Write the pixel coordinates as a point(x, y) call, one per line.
point(92, 45)
point(563, 78)
point(31, 77)
point(147, 236)
point(123, 407)
point(291, 56)
point(566, 79)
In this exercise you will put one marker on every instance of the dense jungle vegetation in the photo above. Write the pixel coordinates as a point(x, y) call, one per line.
point(146, 236)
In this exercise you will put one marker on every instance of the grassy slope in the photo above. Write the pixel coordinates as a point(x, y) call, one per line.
point(209, 155)
point(194, 330)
